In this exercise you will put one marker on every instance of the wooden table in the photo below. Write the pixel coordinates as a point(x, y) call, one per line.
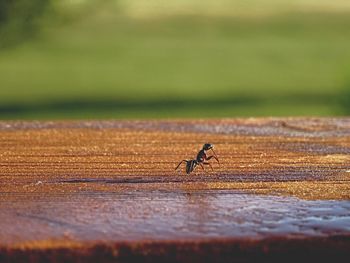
point(106, 191)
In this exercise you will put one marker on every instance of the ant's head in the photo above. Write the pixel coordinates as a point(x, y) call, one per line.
point(207, 146)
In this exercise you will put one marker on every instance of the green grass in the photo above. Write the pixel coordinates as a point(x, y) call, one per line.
point(290, 64)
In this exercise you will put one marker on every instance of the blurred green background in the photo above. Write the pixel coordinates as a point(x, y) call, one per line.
point(68, 59)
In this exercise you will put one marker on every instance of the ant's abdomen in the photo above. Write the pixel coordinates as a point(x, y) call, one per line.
point(190, 166)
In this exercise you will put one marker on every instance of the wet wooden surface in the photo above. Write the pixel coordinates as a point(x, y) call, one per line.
point(107, 190)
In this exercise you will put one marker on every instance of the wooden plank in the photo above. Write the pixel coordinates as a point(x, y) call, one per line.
point(73, 191)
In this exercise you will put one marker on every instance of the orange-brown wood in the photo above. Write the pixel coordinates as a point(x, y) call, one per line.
point(99, 186)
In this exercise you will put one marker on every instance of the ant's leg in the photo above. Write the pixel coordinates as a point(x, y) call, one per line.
point(212, 156)
point(202, 167)
point(206, 163)
point(180, 164)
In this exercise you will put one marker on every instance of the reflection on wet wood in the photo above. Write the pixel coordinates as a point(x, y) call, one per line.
point(97, 187)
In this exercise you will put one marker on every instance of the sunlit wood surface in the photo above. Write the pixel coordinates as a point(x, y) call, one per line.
point(107, 190)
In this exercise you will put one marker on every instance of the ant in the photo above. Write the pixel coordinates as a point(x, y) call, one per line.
point(200, 160)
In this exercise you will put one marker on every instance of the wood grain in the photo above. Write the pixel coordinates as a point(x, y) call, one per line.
point(93, 186)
